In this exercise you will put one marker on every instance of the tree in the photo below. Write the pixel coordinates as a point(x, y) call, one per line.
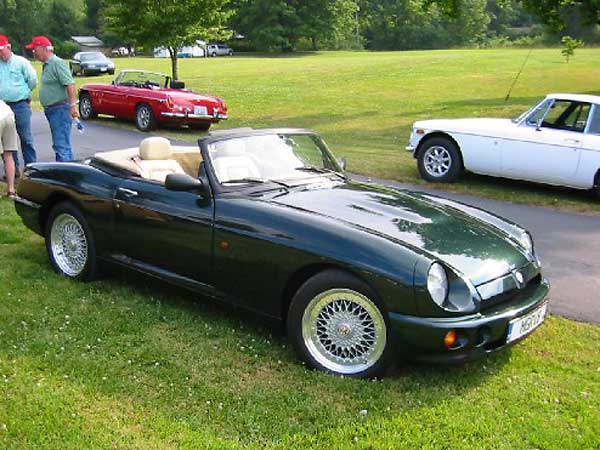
point(172, 24)
point(569, 46)
point(93, 9)
point(413, 24)
point(278, 25)
point(556, 13)
point(19, 21)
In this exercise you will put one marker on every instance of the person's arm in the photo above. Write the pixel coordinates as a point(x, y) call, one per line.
point(29, 74)
point(72, 99)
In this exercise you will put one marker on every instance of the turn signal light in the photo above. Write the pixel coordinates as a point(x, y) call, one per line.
point(170, 103)
point(450, 338)
point(420, 131)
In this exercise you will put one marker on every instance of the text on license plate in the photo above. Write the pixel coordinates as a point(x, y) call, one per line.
point(526, 324)
point(200, 110)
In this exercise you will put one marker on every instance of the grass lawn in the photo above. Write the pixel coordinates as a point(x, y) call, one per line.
point(365, 103)
point(125, 363)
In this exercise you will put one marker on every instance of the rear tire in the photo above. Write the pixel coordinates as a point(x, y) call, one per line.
point(337, 324)
point(596, 188)
point(144, 117)
point(439, 160)
point(70, 243)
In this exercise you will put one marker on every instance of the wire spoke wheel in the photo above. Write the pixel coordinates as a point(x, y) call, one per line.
point(69, 245)
point(344, 331)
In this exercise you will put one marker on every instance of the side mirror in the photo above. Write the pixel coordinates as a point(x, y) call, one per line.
point(177, 84)
point(183, 182)
point(342, 162)
point(112, 82)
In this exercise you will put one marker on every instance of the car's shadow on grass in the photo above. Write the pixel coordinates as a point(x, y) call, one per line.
point(272, 329)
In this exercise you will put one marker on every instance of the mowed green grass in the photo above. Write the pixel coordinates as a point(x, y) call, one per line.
point(365, 103)
point(127, 363)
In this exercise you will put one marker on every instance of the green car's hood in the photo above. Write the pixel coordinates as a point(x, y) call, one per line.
point(472, 247)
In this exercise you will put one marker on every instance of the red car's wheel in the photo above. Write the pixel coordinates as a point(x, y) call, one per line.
point(144, 117)
point(86, 109)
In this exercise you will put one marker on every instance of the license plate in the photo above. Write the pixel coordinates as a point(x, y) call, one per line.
point(103, 69)
point(524, 325)
point(200, 110)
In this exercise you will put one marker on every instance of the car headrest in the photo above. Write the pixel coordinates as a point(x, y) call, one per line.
point(232, 147)
point(155, 148)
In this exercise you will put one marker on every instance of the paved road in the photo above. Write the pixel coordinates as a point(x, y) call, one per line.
point(568, 244)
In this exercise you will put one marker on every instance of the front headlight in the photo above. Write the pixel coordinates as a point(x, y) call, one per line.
point(437, 283)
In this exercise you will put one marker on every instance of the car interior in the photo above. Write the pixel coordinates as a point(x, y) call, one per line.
point(154, 159)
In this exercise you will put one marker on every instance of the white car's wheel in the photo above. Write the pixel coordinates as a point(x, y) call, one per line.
point(338, 326)
point(439, 160)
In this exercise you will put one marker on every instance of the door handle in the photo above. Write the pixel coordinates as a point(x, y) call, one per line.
point(128, 192)
point(572, 141)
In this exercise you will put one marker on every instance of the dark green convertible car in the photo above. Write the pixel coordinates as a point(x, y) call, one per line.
point(361, 274)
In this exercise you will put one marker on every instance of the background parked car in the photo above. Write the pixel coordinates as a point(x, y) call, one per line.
point(91, 63)
point(555, 142)
point(219, 50)
point(150, 99)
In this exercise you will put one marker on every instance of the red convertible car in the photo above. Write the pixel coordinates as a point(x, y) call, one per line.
point(150, 99)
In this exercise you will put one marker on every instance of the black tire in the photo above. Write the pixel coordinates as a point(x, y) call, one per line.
point(596, 188)
point(213, 54)
point(86, 107)
point(144, 117)
point(73, 72)
point(439, 160)
point(111, 72)
point(203, 126)
point(338, 289)
point(230, 52)
point(82, 72)
point(80, 247)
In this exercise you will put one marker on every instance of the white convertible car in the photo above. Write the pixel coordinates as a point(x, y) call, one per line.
point(555, 142)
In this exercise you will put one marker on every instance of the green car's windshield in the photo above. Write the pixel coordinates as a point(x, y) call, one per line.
point(274, 157)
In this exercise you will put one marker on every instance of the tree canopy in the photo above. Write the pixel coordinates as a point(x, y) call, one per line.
point(166, 23)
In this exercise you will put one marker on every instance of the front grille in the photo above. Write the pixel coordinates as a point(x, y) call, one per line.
point(512, 294)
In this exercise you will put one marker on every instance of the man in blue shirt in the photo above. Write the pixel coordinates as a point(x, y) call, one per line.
point(17, 79)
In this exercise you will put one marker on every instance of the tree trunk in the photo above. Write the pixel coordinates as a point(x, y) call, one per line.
point(315, 43)
point(173, 55)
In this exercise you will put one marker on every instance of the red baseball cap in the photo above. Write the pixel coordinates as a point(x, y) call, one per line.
point(39, 41)
point(3, 41)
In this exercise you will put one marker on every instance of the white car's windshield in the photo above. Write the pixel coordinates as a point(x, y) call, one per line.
point(540, 107)
point(274, 157)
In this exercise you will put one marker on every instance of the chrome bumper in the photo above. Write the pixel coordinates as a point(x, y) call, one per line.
point(183, 115)
point(410, 148)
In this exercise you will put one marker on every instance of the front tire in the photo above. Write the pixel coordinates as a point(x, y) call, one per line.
point(86, 108)
point(70, 243)
point(439, 160)
point(144, 118)
point(337, 325)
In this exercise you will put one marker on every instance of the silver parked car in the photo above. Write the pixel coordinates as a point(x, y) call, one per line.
point(219, 50)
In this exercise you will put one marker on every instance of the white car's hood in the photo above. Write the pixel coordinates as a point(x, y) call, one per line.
point(479, 126)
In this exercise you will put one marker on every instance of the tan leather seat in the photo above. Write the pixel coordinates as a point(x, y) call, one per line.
point(231, 162)
point(156, 159)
